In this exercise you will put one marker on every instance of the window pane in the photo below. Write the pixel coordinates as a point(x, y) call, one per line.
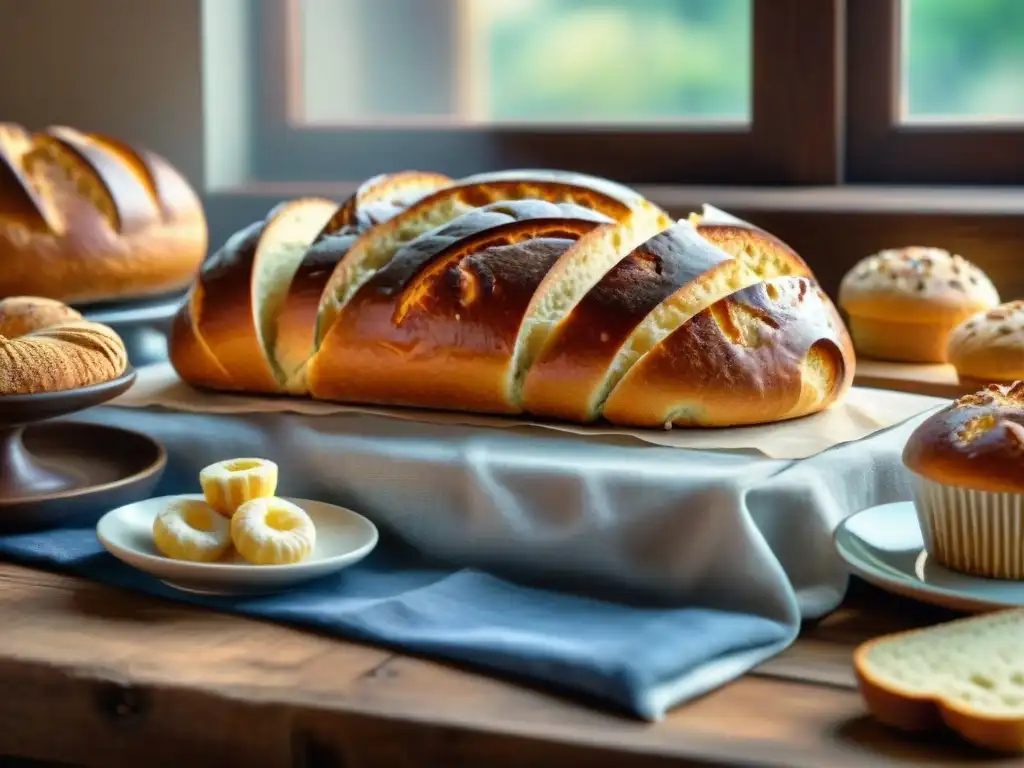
point(525, 61)
point(963, 60)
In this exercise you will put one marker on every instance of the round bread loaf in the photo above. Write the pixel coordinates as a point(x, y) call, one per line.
point(549, 294)
point(86, 218)
point(46, 346)
point(902, 303)
point(989, 346)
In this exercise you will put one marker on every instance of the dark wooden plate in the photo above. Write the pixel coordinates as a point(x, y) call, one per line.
point(97, 468)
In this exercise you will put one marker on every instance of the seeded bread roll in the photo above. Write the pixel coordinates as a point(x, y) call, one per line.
point(989, 347)
point(541, 293)
point(86, 218)
point(903, 303)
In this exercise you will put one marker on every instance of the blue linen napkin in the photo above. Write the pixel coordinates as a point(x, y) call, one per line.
point(642, 659)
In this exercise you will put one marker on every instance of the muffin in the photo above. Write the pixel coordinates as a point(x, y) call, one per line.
point(967, 462)
point(902, 303)
point(989, 346)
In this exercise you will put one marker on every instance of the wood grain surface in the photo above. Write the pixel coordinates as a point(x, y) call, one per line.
point(922, 379)
point(95, 676)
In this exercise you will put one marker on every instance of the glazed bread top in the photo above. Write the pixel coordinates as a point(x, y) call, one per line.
point(85, 217)
point(46, 346)
point(549, 293)
point(916, 284)
point(976, 442)
point(990, 345)
point(376, 247)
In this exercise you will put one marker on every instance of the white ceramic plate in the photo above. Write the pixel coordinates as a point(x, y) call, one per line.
point(883, 545)
point(342, 538)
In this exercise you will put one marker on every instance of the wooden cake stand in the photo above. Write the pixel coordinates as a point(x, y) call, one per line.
point(54, 472)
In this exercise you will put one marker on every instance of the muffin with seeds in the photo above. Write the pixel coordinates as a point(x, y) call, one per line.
point(989, 346)
point(903, 303)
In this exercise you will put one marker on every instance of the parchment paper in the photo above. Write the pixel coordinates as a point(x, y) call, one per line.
point(862, 413)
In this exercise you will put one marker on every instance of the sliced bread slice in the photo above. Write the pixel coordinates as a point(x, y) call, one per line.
point(967, 674)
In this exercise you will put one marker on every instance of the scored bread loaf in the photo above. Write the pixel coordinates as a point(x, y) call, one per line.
point(377, 200)
point(548, 293)
point(967, 674)
point(85, 217)
point(46, 346)
point(248, 321)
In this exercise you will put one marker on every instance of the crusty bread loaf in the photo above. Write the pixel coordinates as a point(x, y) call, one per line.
point(45, 346)
point(465, 287)
point(967, 674)
point(375, 248)
point(548, 293)
point(85, 217)
point(377, 200)
point(244, 285)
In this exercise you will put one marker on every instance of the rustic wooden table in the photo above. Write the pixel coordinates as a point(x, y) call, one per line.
point(95, 676)
point(935, 380)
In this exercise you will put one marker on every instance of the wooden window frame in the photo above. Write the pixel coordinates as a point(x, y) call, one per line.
point(881, 149)
point(791, 139)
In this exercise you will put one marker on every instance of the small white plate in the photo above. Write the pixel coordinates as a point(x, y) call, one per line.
point(884, 546)
point(342, 539)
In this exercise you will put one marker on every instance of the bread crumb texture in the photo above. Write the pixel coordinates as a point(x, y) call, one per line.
point(975, 664)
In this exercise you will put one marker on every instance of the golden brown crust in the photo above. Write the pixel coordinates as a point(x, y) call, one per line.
point(230, 318)
point(376, 201)
point(898, 341)
point(443, 335)
point(296, 324)
point(431, 311)
point(189, 354)
point(85, 218)
point(226, 321)
point(440, 208)
point(989, 346)
point(46, 346)
point(976, 442)
point(562, 381)
point(766, 353)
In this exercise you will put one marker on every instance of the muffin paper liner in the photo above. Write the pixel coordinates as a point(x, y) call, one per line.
point(971, 531)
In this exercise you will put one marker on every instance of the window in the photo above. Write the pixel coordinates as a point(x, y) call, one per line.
point(657, 91)
point(936, 91)
point(532, 62)
point(660, 91)
point(962, 61)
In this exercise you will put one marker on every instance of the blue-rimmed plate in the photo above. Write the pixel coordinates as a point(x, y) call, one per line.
point(884, 546)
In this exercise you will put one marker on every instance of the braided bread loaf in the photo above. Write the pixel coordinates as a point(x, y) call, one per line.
point(46, 346)
point(548, 293)
point(87, 218)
